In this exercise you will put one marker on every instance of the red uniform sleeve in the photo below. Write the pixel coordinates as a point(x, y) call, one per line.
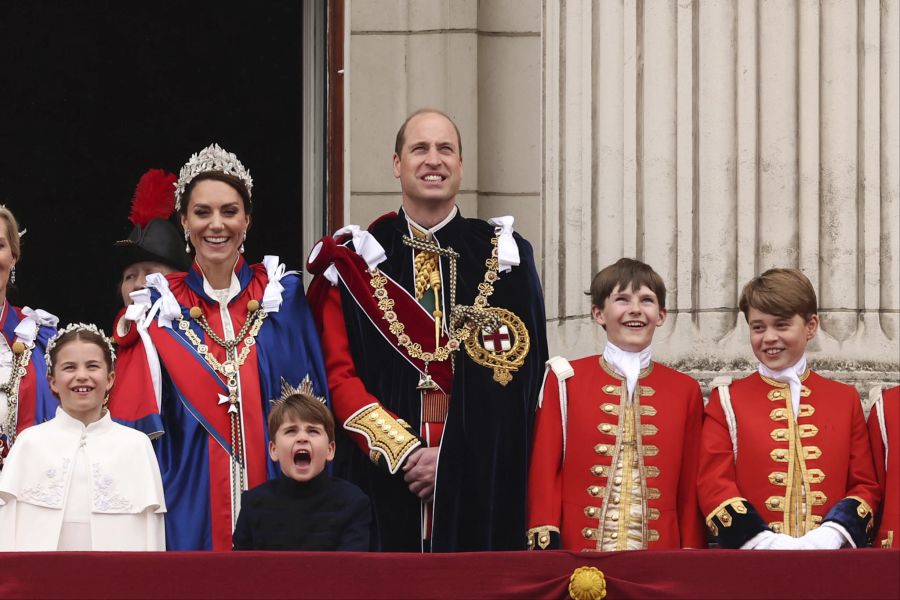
point(861, 480)
point(877, 445)
point(716, 481)
point(349, 396)
point(690, 520)
point(545, 470)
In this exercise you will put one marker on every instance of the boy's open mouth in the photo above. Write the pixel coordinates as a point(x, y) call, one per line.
point(302, 458)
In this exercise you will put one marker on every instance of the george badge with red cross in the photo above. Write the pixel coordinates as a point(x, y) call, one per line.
point(502, 349)
point(496, 340)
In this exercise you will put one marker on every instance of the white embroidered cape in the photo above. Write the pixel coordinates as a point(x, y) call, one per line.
point(127, 502)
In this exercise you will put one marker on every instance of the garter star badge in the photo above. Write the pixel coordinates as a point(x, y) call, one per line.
point(502, 349)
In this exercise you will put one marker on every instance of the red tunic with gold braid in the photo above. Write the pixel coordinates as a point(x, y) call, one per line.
point(575, 487)
point(887, 467)
point(789, 474)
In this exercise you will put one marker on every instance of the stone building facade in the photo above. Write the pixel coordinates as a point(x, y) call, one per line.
point(712, 139)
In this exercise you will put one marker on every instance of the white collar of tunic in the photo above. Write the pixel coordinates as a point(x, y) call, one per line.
point(70, 423)
point(429, 232)
point(790, 376)
point(233, 290)
point(627, 364)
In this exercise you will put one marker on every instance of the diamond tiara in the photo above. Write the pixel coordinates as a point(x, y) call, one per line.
point(211, 158)
point(77, 327)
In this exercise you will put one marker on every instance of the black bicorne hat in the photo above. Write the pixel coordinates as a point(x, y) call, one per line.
point(154, 237)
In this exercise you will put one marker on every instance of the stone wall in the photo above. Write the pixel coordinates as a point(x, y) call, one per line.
point(478, 61)
point(710, 139)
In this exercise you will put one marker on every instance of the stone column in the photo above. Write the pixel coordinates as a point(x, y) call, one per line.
point(715, 140)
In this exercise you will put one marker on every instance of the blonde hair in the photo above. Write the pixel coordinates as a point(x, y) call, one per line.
point(12, 231)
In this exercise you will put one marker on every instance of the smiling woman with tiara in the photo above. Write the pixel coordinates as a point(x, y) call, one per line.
point(209, 352)
point(25, 398)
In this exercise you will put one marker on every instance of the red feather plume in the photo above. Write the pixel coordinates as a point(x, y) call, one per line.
point(154, 197)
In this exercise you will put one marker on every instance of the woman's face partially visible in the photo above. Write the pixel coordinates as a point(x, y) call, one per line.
point(7, 260)
point(134, 277)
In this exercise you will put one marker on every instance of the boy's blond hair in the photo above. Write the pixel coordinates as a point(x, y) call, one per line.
point(780, 292)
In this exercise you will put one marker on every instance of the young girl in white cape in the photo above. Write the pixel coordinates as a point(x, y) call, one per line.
point(80, 481)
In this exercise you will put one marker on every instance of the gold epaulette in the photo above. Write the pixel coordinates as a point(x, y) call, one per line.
point(388, 438)
point(539, 537)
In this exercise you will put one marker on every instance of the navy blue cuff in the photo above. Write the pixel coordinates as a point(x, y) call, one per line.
point(544, 538)
point(735, 523)
point(855, 516)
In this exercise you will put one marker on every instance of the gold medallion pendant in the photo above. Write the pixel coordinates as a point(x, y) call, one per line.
point(502, 349)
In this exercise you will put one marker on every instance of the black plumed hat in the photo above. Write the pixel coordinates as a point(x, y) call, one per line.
point(154, 237)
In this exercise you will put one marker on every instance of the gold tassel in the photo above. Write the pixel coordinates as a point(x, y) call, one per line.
point(436, 287)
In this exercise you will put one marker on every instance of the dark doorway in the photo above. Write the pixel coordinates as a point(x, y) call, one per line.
point(95, 92)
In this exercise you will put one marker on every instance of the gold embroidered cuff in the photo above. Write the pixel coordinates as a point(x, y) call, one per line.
point(540, 537)
point(734, 522)
point(737, 503)
point(863, 509)
point(388, 437)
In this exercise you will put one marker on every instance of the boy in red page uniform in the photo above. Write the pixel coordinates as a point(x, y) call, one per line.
point(616, 444)
point(884, 434)
point(785, 462)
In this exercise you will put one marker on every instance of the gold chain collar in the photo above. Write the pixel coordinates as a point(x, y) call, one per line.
point(229, 369)
point(21, 356)
point(464, 319)
point(247, 335)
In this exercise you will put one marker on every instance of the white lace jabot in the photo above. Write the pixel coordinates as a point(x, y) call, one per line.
point(790, 376)
point(627, 364)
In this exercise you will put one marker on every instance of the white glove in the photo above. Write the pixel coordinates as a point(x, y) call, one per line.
point(826, 537)
point(769, 540)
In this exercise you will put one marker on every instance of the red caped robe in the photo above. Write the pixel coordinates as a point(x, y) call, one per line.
point(792, 471)
point(570, 491)
point(888, 535)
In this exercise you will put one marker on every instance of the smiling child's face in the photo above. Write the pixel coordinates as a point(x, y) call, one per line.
point(630, 317)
